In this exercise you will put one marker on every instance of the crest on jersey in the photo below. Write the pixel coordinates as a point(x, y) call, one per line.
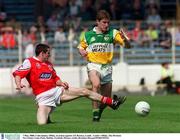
point(92, 39)
point(38, 65)
point(106, 38)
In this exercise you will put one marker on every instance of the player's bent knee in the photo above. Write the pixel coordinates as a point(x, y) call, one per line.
point(96, 86)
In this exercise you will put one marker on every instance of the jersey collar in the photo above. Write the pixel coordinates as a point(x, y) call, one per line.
point(36, 58)
point(95, 30)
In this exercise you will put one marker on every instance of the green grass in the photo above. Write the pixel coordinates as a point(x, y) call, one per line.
point(19, 115)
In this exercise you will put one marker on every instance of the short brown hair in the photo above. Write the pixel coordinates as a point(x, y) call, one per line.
point(41, 48)
point(102, 14)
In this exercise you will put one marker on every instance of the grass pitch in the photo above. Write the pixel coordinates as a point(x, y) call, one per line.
point(18, 115)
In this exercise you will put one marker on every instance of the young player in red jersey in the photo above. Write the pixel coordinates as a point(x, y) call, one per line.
point(48, 88)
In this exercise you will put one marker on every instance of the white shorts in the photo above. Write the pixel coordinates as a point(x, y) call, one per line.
point(50, 97)
point(105, 71)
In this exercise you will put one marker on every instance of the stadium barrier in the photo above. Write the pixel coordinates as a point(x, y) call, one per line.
point(124, 76)
point(62, 56)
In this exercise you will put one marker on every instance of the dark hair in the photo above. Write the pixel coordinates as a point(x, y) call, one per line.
point(41, 48)
point(164, 63)
point(102, 14)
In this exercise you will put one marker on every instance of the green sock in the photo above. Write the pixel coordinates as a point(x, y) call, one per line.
point(96, 113)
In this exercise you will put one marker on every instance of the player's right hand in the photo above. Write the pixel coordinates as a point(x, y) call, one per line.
point(83, 52)
point(124, 35)
point(19, 87)
point(125, 38)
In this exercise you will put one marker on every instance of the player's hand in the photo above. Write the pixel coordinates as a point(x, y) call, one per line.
point(124, 35)
point(65, 85)
point(125, 38)
point(83, 53)
point(19, 87)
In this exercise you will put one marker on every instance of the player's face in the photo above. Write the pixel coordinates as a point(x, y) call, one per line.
point(103, 25)
point(46, 55)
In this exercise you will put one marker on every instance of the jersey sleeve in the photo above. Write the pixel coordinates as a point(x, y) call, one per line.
point(54, 74)
point(56, 78)
point(117, 37)
point(23, 70)
point(83, 44)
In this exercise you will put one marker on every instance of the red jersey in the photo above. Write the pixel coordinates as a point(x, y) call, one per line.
point(40, 75)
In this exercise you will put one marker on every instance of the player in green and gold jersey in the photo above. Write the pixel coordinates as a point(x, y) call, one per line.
point(97, 48)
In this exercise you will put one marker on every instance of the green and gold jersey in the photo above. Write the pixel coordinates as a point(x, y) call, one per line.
point(100, 46)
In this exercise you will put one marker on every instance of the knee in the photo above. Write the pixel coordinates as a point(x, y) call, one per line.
point(41, 122)
point(96, 86)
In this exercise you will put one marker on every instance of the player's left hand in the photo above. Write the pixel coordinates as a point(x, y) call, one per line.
point(65, 85)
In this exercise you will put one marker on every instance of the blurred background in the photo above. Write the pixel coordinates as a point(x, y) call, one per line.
point(153, 27)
